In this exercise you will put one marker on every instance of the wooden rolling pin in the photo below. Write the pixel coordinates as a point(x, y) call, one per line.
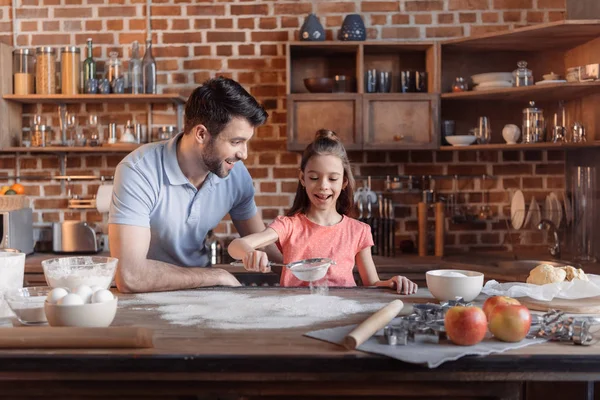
point(372, 324)
point(75, 337)
point(439, 229)
point(422, 215)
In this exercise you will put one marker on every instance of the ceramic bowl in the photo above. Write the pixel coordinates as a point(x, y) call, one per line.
point(92, 315)
point(70, 272)
point(461, 140)
point(551, 76)
point(511, 133)
point(319, 85)
point(447, 284)
point(28, 304)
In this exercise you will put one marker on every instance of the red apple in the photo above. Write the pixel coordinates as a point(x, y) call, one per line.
point(494, 301)
point(510, 322)
point(465, 326)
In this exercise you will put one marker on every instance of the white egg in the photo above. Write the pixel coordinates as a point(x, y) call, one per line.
point(56, 294)
point(85, 292)
point(71, 299)
point(102, 296)
point(95, 288)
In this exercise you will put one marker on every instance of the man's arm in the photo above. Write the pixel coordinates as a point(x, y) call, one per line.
point(135, 273)
point(255, 225)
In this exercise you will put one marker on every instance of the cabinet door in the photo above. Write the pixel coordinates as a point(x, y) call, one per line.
point(307, 113)
point(402, 121)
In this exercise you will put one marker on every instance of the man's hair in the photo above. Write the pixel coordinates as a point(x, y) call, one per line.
point(219, 100)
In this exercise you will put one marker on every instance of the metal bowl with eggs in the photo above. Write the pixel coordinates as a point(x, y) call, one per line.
point(83, 306)
point(447, 284)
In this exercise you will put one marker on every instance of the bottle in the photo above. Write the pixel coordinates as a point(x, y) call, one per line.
point(149, 70)
point(89, 65)
point(214, 248)
point(135, 69)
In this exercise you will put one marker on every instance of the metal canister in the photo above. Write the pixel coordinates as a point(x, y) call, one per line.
point(165, 132)
point(112, 133)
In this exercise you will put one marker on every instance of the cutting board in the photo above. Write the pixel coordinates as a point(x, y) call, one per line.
point(75, 337)
point(590, 305)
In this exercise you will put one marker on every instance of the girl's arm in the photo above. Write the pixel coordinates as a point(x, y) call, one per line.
point(245, 249)
point(369, 276)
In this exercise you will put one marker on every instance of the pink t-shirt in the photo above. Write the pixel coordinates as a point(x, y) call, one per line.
point(300, 238)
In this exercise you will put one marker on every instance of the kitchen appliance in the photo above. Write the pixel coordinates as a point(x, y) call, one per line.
point(75, 237)
point(17, 230)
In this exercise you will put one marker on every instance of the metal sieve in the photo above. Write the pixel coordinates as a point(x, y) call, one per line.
point(309, 270)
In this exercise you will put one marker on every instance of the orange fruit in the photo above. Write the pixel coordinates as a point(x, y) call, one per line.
point(18, 188)
point(4, 189)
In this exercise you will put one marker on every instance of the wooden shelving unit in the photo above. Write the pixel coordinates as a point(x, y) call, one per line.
point(96, 98)
point(521, 146)
point(120, 148)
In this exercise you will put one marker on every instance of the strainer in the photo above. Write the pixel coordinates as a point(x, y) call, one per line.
point(309, 270)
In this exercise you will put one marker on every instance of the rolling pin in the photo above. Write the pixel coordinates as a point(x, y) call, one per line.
point(422, 215)
point(372, 324)
point(75, 338)
point(439, 229)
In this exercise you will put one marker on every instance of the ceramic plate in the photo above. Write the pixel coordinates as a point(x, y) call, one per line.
point(517, 210)
point(548, 82)
point(492, 76)
point(495, 84)
point(536, 214)
point(548, 209)
point(529, 212)
point(568, 210)
point(557, 208)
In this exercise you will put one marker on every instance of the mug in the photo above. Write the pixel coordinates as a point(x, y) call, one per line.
point(407, 82)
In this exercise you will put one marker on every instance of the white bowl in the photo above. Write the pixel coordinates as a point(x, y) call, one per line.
point(445, 287)
point(90, 315)
point(28, 304)
point(70, 272)
point(461, 140)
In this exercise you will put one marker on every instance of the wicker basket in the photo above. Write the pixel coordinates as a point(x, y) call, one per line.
point(13, 202)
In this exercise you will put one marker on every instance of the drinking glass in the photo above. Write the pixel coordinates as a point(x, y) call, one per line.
point(583, 189)
point(484, 131)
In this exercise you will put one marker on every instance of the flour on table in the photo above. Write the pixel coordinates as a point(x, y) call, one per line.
point(226, 310)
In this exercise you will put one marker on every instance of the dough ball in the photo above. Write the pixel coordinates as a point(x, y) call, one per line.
point(546, 273)
point(574, 273)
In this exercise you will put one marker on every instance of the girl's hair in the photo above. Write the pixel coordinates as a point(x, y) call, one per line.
point(326, 143)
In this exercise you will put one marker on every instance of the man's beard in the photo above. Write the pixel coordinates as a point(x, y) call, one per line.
point(213, 163)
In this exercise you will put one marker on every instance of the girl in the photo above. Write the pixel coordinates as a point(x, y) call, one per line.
point(318, 224)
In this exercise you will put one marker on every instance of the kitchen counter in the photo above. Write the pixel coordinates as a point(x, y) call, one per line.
point(200, 360)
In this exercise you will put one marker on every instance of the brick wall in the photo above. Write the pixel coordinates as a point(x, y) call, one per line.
point(195, 40)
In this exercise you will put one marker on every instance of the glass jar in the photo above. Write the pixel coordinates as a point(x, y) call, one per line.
point(70, 65)
point(165, 132)
point(95, 139)
point(534, 126)
point(23, 71)
point(522, 75)
point(40, 135)
point(459, 85)
point(45, 71)
point(115, 70)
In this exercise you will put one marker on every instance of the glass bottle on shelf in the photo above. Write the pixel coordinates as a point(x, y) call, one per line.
point(522, 75)
point(135, 69)
point(89, 67)
point(149, 70)
point(459, 85)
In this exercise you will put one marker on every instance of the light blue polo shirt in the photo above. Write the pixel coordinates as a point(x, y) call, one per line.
point(150, 190)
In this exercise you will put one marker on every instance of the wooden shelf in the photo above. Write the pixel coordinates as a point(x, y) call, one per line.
point(120, 148)
point(541, 37)
point(522, 146)
point(382, 46)
point(548, 92)
point(96, 98)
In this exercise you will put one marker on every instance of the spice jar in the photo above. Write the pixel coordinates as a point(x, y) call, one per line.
point(165, 132)
point(45, 73)
point(459, 85)
point(23, 71)
point(523, 76)
point(70, 69)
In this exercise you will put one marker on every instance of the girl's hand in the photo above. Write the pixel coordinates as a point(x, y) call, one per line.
point(403, 285)
point(256, 261)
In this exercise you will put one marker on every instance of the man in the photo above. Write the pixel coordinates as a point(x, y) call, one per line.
point(168, 195)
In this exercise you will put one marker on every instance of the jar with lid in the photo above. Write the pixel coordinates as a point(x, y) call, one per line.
point(534, 126)
point(115, 70)
point(45, 70)
point(23, 71)
point(522, 75)
point(70, 65)
point(459, 85)
point(165, 132)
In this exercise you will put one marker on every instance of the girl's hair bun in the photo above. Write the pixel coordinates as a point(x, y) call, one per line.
point(326, 134)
